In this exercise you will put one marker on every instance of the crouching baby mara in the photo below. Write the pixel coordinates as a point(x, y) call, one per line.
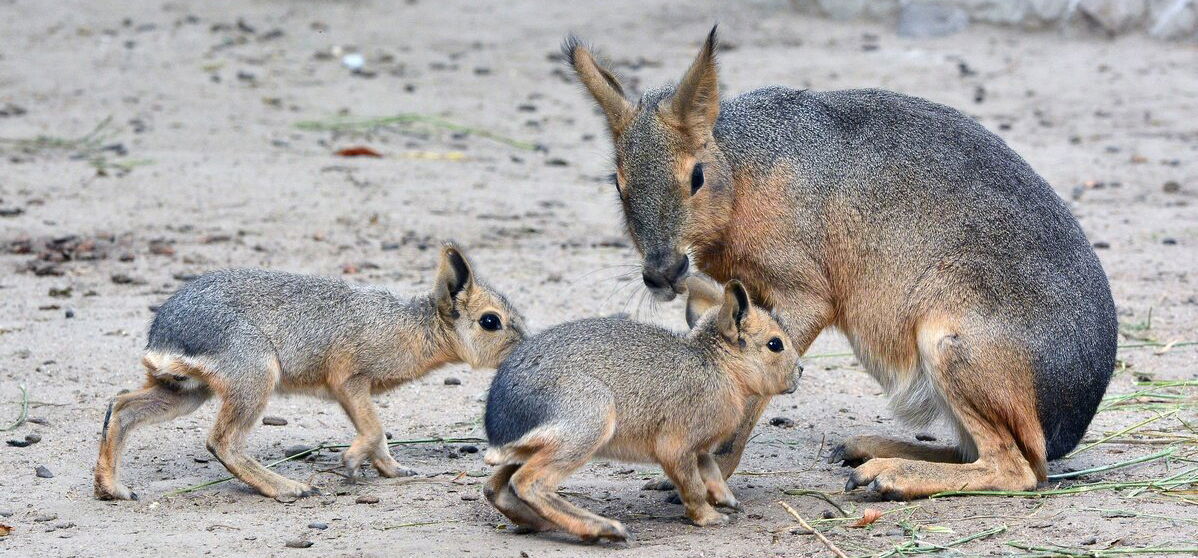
point(245, 335)
point(620, 389)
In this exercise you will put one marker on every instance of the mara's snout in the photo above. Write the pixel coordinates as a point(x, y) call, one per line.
point(666, 275)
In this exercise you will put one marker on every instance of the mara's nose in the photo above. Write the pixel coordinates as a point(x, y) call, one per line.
point(792, 385)
point(663, 274)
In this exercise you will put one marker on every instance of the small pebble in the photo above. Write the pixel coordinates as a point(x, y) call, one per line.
point(367, 499)
point(1168, 241)
point(295, 450)
point(452, 381)
point(468, 449)
point(1102, 245)
point(43, 472)
point(782, 422)
point(1171, 187)
point(299, 544)
point(318, 525)
point(33, 438)
point(827, 514)
point(5, 513)
point(270, 420)
point(46, 517)
point(469, 497)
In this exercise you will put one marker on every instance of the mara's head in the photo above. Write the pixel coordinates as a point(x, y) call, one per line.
point(674, 183)
point(483, 325)
point(753, 344)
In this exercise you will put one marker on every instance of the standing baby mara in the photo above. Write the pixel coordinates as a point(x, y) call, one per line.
point(620, 389)
point(245, 335)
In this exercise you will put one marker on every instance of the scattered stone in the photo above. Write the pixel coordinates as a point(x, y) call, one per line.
point(827, 514)
point(10, 109)
point(39, 420)
point(43, 472)
point(557, 162)
point(367, 499)
point(295, 450)
point(6, 513)
point(33, 438)
point(782, 422)
point(468, 449)
point(469, 497)
point(64, 525)
point(318, 526)
point(69, 313)
point(19, 443)
point(271, 420)
point(64, 292)
point(1169, 241)
point(11, 211)
point(299, 544)
point(925, 437)
point(43, 518)
point(125, 279)
point(1171, 187)
point(452, 381)
point(1102, 245)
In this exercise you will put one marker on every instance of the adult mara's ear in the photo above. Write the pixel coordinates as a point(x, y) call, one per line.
point(702, 294)
point(695, 104)
point(601, 83)
point(733, 311)
point(453, 276)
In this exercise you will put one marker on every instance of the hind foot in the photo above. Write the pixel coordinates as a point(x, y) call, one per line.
point(609, 529)
point(113, 491)
point(388, 467)
point(708, 517)
point(288, 491)
point(904, 479)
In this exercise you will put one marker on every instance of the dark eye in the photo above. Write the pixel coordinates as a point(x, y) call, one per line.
point(775, 345)
point(490, 322)
point(696, 178)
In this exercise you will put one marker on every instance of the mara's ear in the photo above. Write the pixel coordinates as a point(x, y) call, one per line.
point(453, 275)
point(602, 85)
point(696, 102)
point(702, 294)
point(733, 312)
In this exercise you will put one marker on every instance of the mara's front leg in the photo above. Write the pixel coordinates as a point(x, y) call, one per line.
point(803, 315)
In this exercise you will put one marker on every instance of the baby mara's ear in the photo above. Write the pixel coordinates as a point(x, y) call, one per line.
point(453, 276)
point(733, 311)
point(702, 294)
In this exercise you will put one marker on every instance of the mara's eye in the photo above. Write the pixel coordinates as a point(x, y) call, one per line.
point(775, 345)
point(696, 178)
point(490, 322)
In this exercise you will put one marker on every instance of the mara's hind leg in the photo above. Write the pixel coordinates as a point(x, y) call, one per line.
point(498, 491)
point(989, 389)
point(371, 442)
point(859, 449)
point(536, 482)
point(244, 399)
point(157, 402)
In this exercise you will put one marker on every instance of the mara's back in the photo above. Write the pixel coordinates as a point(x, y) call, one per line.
point(576, 366)
point(302, 316)
point(915, 206)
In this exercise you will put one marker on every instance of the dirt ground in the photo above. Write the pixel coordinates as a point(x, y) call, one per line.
point(144, 142)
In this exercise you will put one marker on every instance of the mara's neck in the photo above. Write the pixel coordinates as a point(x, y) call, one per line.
point(426, 336)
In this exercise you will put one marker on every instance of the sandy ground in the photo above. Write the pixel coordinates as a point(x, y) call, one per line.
point(199, 164)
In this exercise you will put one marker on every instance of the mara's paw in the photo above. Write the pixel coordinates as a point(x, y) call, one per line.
point(708, 517)
point(728, 502)
point(114, 491)
point(890, 479)
point(390, 468)
point(609, 529)
point(854, 451)
point(291, 491)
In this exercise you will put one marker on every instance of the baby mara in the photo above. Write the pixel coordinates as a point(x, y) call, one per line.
point(625, 390)
point(245, 335)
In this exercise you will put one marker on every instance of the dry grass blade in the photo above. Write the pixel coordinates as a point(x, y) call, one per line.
point(914, 546)
point(368, 124)
point(1159, 455)
point(1104, 439)
point(24, 414)
point(1054, 551)
point(832, 547)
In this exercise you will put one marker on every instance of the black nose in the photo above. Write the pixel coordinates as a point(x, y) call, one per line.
point(665, 276)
